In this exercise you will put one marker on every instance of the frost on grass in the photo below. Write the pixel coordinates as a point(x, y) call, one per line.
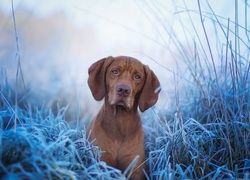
point(45, 146)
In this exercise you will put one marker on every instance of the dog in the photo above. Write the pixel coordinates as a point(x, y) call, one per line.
point(125, 84)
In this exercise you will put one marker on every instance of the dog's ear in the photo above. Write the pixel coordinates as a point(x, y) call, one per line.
point(97, 73)
point(150, 91)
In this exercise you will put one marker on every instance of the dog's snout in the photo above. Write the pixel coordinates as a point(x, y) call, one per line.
point(123, 90)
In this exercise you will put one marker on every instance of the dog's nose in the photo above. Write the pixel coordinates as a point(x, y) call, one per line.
point(123, 90)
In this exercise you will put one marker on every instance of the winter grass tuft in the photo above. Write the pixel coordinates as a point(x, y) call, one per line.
point(44, 146)
point(206, 134)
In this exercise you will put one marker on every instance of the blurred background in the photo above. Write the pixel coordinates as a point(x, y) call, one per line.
point(59, 39)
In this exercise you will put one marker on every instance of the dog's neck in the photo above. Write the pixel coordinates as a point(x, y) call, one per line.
point(118, 121)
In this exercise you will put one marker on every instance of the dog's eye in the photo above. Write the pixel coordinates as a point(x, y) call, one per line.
point(115, 71)
point(137, 76)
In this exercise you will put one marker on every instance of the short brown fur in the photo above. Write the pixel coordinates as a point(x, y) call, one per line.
point(124, 83)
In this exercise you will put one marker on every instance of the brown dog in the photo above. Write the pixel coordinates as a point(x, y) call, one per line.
point(124, 83)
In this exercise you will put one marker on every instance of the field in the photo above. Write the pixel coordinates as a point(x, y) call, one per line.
point(204, 135)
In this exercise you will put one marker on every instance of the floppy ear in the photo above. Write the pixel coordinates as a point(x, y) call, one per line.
point(150, 91)
point(97, 73)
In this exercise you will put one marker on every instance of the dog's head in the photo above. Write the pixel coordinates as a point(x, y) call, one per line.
point(125, 82)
